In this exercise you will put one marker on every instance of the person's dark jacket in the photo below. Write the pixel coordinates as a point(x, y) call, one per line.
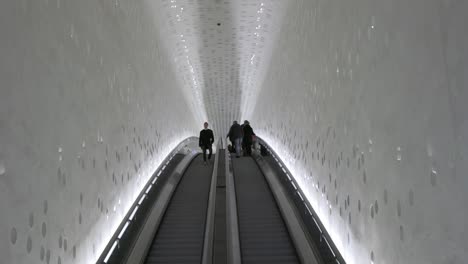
point(248, 133)
point(235, 132)
point(206, 138)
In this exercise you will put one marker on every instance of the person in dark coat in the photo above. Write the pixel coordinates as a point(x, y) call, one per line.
point(247, 138)
point(235, 136)
point(243, 143)
point(206, 141)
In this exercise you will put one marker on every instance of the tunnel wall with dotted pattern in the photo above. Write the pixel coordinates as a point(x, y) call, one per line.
point(366, 102)
point(88, 100)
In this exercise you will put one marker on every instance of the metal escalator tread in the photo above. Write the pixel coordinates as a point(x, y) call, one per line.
point(263, 235)
point(179, 238)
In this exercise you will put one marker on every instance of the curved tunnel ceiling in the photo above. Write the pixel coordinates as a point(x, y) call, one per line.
point(221, 50)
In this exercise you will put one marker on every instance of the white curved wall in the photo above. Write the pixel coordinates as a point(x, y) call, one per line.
point(89, 106)
point(366, 102)
point(94, 94)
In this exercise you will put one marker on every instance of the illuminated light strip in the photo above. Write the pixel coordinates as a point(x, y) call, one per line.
point(308, 210)
point(294, 185)
point(326, 241)
point(163, 168)
point(141, 199)
point(110, 251)
point(123, 230)
point(300, 196)
point(159, 173)
point(133, 213)
point(313, 218)
point(155, 179)
point(149, 188)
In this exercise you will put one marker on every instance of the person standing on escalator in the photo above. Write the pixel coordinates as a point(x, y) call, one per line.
point(206, 141)
point(235, 135)
point(248, 138)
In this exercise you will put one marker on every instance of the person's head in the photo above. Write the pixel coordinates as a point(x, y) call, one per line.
point(205, 125)
point(234, 123)
point(246, 122)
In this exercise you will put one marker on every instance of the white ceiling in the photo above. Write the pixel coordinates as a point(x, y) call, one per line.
point(221, 67)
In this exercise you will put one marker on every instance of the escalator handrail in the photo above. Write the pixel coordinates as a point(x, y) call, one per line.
point(323, 241)
point(152, 223)
point(207, 256)
point(302, 243)
point(233, 242)
point(114, 242)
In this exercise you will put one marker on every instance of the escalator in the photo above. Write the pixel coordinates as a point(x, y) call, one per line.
point(233, 210)
point(263, 235)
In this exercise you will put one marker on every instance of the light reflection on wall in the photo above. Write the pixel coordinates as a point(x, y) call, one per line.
point(126, 198)
point(366, 111)
point(85, 121)
point(305, 182)
point(173, 18)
